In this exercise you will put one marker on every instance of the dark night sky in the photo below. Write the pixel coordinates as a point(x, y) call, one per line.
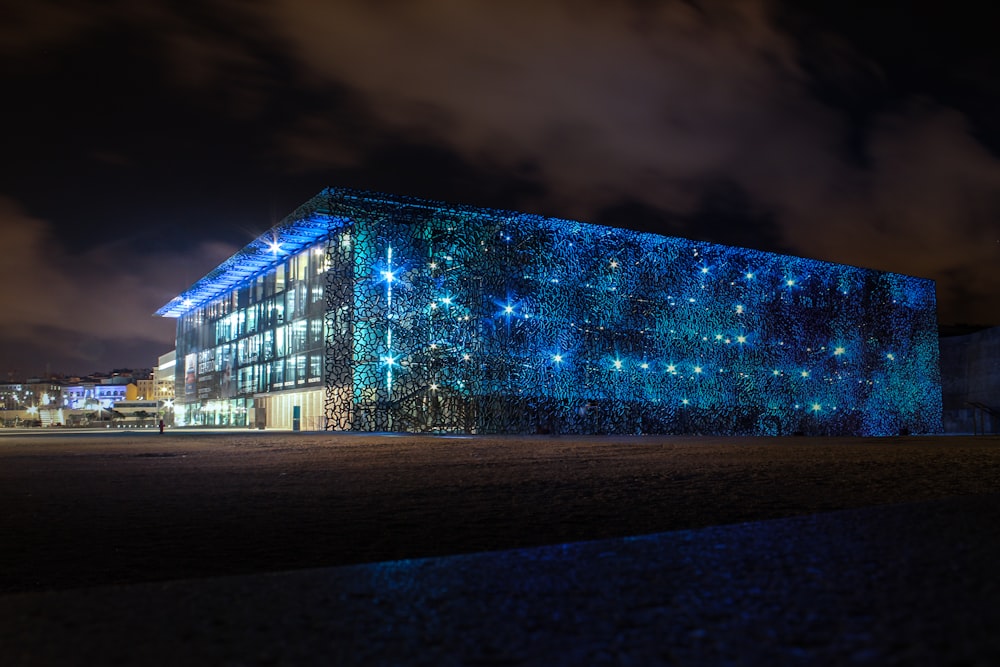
point(144, 142)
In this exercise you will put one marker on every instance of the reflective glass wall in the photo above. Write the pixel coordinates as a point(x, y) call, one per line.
point(265, 336)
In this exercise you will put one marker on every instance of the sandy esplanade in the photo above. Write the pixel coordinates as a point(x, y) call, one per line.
point(80, 509)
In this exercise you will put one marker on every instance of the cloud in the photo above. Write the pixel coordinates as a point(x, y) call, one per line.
point(928, 205)
point(81, 310)
point(658, 104)
point(650, 108)
point(606, 97)
point(31, 27)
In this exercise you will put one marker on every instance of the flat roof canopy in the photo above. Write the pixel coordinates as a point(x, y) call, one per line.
point(289, 237)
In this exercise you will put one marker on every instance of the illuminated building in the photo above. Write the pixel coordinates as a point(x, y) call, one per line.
point(94, 395)
point(373, 312)
point(163, 376)
point(31, 402)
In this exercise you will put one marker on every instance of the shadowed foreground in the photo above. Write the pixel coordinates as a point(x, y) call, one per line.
point(85, 510)
point(911, 582)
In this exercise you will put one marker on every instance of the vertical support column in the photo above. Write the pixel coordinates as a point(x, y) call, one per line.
point(338, 328)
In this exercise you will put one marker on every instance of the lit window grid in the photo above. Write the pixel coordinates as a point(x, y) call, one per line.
point(265, 335)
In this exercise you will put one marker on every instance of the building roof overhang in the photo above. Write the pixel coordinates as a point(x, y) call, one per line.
point(306, 226)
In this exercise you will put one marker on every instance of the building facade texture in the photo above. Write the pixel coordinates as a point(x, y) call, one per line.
point(373, 312)
point(970, 366)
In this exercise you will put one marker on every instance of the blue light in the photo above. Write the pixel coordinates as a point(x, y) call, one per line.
point(308, 226)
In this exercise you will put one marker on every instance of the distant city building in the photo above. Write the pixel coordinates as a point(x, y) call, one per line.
point(970, 367)
point(37, 402)
point(374, 312)
point(99, 397)
point(164, 376)
point(131, 411)
point(145, 388)
point(90, 395)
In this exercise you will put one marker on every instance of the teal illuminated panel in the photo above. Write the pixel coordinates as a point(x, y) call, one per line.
point(473, 320)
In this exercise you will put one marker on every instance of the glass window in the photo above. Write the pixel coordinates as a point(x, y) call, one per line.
point(268, 344)
point(300, 368)
point(299, 342)
point(315, 331)
point(302, 270)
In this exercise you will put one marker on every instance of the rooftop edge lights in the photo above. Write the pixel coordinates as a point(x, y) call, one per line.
point(290, 236)
point(313, 221)
point(306, 225)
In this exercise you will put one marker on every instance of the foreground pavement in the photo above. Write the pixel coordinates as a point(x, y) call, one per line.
point(904, 584)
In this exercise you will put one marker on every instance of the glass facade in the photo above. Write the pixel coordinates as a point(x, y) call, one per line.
point(392, 313)
point(265, 336)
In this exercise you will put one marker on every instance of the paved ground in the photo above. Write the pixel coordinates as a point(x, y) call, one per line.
point(906, 576)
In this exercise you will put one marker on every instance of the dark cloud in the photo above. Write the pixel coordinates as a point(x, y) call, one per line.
point(661, 114)
point(162, 126)
point(725, 214)
point(72, 311)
